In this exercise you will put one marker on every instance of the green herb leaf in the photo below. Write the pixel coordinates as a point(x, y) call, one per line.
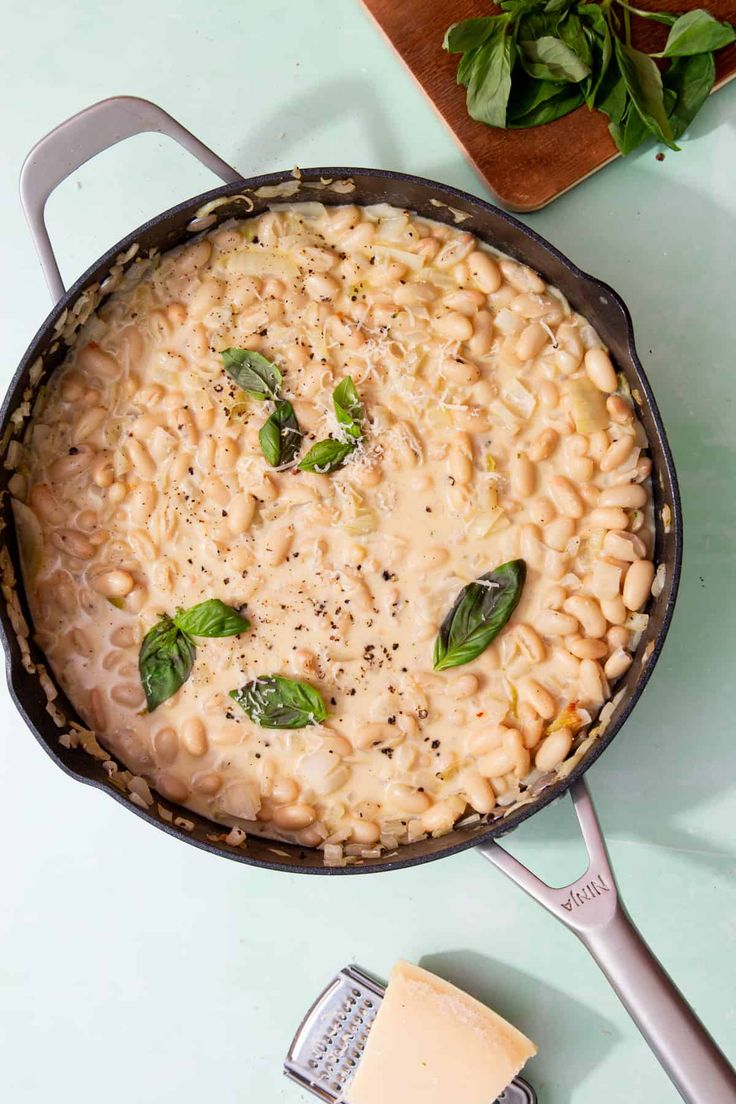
point(572, 32)
point(549, 58)
point(690, 80)
point(468, 34)
point(543, 102)
point(489, 81)
point(326, 456)
point(595, 22)
point(697, 32)
point(644, 84)
point(630, 131)
point(280, 436)
point(465, 67)
point(257, 376)
point(275, 702)
point(480, 612)
point(211, 618)
point(164, 662)
point(348, 408)
point(612, 97)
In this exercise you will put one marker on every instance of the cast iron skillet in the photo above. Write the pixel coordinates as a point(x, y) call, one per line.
point(591, 905)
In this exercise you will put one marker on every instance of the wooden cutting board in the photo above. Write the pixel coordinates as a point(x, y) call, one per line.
point(525, 169)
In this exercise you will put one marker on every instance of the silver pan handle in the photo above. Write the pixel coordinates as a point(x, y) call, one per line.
point(74, 142)
point(591, 907)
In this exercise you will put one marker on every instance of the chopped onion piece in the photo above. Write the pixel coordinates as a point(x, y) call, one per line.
point(414, 261)
point(588, 406)
point(659, 580)
point(334, 854)
point(520, 399)
point(261, 262)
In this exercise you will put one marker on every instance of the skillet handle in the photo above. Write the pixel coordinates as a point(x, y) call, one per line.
point(592, 908)
point(74, 142)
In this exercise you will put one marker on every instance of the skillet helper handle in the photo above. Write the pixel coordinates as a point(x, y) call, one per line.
point(71, 144)
point(591, 907)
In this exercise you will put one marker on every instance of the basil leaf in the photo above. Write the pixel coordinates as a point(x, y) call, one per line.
point(164, 662)
point(465, 67)
point(644, 83)
point(595, 21)
point(527, 95)
point(326, 456)
point(697, 32)
point(572, 33)
point(480, 612)
point(211, 618)
point(348, 408)
point(489, 82)
point(630, 131)
point(280, 435)
point(554, 101)
point(549, 58)
point(612, 98)
point(275, 702)
point(468, 34)
point(257, 376)
point(690, 80)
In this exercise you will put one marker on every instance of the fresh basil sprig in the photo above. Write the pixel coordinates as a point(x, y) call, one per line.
point(276, 702)
point(165, 661)
point(481, 610)
point(326, 456)
point(256, 375)
point(329, 455)
point(211, 618)
point(540, 59)
point(348, 408)
point(280, 435)
point(168, 651)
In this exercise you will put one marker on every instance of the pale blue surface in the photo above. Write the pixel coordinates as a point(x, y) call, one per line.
point(133, 968)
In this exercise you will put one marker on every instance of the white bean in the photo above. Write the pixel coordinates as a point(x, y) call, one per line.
point(637, 584)
point(628, 496)
point(553, 749)
point(624, 546)
point(523, 478)
point(600, 370)
point(565, 497)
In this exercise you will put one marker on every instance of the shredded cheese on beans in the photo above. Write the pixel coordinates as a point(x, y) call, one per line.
point(494, 428)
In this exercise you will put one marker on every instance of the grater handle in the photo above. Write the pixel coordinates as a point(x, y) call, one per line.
point(591, 907)
point(68, 146)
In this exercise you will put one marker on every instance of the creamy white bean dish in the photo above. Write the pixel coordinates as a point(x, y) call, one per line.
point(336, 527)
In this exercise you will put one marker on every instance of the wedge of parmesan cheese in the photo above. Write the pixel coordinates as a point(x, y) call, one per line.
point(433, 1044)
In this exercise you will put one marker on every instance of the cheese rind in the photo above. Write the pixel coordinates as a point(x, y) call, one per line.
point(431, 1043)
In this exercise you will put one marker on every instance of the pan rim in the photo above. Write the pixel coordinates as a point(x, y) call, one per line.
point(494, 829)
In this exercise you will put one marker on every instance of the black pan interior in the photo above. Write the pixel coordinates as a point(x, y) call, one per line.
point(598, 302)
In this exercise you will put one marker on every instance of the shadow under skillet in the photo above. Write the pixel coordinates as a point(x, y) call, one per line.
point(559, 1024)
point(314, 110)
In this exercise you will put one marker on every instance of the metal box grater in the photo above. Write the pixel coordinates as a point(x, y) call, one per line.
point(331, 1038)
